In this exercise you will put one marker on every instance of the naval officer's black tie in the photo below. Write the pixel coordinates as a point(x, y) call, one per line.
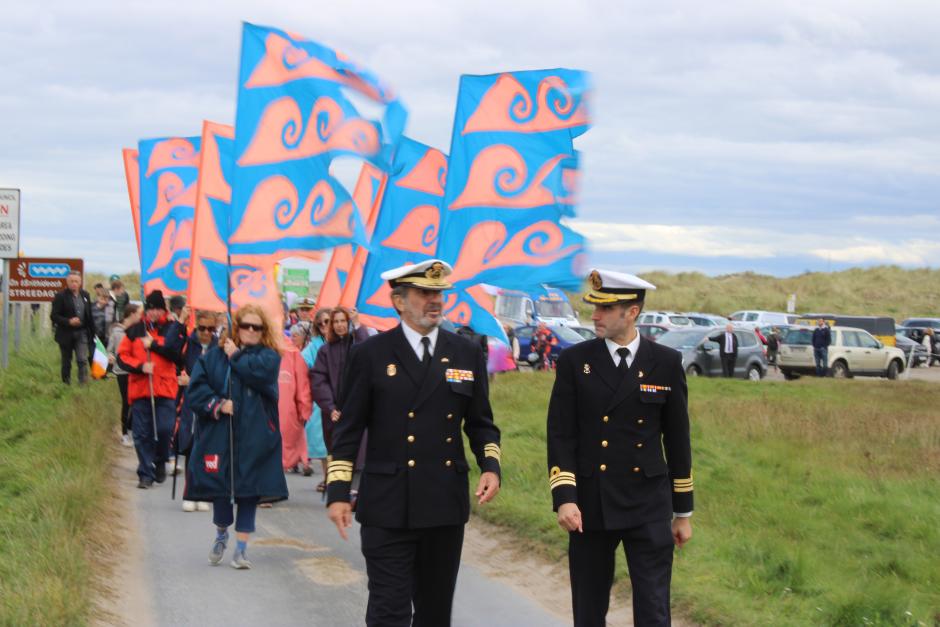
point(624, 353)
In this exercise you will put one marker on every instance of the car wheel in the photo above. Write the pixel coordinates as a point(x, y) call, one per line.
point(893, 369)
point(840, 370)
point(693, 371)
point(754, 373)
point(789, 376)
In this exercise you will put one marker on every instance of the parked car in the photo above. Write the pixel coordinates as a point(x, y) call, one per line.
point(585, 332)
point(565, 336)
point(751, 319)
point(665, 318)
point(700, 352)
point(707, 320)
point(852, 352)
point(906, 344)
point(922, 322)
point(653, 331)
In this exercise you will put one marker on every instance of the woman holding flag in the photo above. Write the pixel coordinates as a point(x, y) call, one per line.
point(237, 448)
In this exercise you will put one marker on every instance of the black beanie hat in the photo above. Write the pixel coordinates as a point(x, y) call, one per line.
point(155, 300)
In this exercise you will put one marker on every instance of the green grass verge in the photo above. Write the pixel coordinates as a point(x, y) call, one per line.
point(816, 501)
point(54, 443)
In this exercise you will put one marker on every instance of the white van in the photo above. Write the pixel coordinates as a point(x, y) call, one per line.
point(752, 319)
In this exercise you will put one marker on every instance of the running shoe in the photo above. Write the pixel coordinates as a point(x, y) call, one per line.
point(240, 561)
point(218, 549)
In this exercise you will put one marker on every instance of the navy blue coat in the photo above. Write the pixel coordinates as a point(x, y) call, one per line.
point(186, 423)
point(257, 436)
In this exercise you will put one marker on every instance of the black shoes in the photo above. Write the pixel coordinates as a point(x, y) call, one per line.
point(160, 471)
point(145, 483)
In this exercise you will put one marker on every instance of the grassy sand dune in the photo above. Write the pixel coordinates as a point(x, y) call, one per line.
point(816, 501)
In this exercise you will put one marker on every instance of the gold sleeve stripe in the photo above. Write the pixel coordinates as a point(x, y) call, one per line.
point(339, 475)
point(560, 478)
point(560, 474)
point(340, 464)
point(681, 483)
point(492, 450)
point(687, 489)
point(562, 482)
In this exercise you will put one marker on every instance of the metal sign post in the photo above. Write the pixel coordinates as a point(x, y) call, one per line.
point(9, 249)
point(5, 289)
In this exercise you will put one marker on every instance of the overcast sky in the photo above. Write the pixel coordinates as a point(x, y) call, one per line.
point(728, 136)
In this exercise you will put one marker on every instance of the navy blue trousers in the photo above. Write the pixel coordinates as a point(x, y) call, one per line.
point(223, 516)
point(150, 452)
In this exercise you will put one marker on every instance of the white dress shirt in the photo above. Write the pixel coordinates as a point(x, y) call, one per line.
point(729, 342)
point(414, 338)
point(633, 345)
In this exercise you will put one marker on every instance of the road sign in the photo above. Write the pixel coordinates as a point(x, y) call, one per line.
point(297, 280)
point(37, 280)
point(9, 223)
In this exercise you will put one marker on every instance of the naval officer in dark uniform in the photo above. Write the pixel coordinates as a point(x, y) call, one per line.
point(619, 456)
point(413, 388)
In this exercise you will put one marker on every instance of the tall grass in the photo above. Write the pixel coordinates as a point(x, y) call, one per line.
point(882, 290)
point(53, 444)
point(816, 501)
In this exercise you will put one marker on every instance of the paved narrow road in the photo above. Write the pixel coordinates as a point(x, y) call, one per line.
point(304, 573)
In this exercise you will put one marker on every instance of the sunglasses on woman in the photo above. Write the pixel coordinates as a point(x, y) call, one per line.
point(205, 329)
point(247, 326)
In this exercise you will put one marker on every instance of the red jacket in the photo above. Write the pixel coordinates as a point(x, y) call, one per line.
point(131, 357)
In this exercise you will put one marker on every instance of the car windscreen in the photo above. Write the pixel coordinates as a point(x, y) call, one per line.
point(681, 339)
point(798, 337)
point(680, 321)
point(566, 334)
point(554, 309)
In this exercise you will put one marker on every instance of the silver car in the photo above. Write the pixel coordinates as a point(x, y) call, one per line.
point(700, 352)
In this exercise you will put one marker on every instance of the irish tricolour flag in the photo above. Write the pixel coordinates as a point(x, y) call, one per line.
point(99, 364)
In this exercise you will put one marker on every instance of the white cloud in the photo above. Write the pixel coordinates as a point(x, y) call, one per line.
point(754, 243)
point(726, 115)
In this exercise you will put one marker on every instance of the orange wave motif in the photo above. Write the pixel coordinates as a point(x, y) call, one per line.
point(258, 287)
point(158, 284)
point(331, 290)
point(457, 311)
point(382, 296)
point(284, 62)
point(485, 248)
point(171, 193)
point(281, 135)
point(175, 238)
point(274, 212)
point(507, 106)
point(132, 174)
point(499, 170)
point(175, 152)
point(417, 232)
point(570, 182)
point(207, 242)
point(429, 175)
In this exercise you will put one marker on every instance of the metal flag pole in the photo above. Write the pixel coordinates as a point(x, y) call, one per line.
point(228, 375)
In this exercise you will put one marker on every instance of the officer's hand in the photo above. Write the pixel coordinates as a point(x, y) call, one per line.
point(569, 517)
point(335, 415)
point(227, 407)
point(147, 367)
point(147, 341)
point(75, 322)
point(341, 514)
point(681, 531)
point(488, 487)
point(229, 347)
point(183, 378)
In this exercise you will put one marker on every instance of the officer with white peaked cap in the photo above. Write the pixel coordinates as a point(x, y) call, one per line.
point(619, 455)
point(414, 388)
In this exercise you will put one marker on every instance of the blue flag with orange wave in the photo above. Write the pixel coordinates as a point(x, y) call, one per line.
point(406, 230)
point(512, 180)
point(293, 118)
point(168, 170)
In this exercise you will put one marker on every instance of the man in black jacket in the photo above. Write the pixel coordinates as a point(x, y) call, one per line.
point(822, 338)
point(619, 456)
point(413, 388)
point(71, 317)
